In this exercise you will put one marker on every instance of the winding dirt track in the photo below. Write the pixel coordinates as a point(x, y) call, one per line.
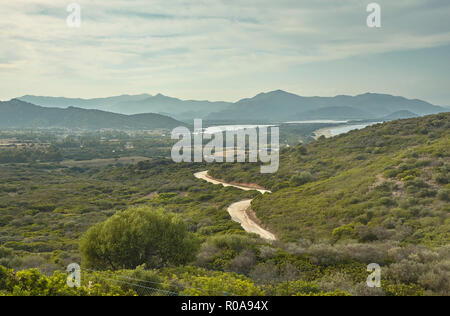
point(238, 210)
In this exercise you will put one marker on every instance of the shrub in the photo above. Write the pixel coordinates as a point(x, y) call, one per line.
point(5, 275)
point(220, 284)
point(243, 262)
point(236, 243)
point(442, 178)
point(266, 252)
point(403, 290)
point(32, 261)
point(437, 278)
point(297, 288)
point(135, 237)
point(301, 179)
point(7, 257)
point(337, 281)
point(444, 195)
point(138, 280)
point(324, 254)
point(365, 253)
point(265, 273)
point(346, 231)
point(207, 254)
point(366, 234)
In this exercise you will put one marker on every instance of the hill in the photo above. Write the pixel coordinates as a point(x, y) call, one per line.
point(19, 114)
point(136, 104)
point(398, 115)
point(387, 182)
point(96, 103)
point(282, 106)
point(181, 109)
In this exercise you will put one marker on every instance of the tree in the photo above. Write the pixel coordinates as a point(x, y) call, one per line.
point(138, 236)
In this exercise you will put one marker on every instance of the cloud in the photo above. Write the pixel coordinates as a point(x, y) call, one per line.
point(153, 44)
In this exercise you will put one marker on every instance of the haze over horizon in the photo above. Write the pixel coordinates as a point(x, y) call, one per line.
point(151, 95)
point(225, 51)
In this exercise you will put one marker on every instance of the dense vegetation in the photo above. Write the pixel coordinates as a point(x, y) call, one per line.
point(386, 182)
point(376, 195)
point(60, 145)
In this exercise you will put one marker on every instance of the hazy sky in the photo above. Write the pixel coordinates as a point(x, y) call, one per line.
point(225, 49)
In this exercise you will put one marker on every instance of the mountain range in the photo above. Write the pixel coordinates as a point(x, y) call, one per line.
point(272, 106)
point(20, 114)
point(280, 106)
point(136, 104)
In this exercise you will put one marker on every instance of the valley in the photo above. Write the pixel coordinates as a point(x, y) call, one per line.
point(311, 235)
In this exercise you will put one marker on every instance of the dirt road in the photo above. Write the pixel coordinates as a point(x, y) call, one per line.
point(238, 211)
point(204, 176)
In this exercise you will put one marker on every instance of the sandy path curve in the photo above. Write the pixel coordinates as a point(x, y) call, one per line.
point(204, 176)
point(238, 210)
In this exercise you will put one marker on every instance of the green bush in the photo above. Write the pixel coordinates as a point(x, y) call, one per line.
point(444, 195)
point(301, 179)
point(346, 231)
point(221, 284)
point(138, 236)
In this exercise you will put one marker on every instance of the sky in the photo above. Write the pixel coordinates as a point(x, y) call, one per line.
point(225, 49)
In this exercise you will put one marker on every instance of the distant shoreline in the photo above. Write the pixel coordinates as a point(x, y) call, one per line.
point(340, 129)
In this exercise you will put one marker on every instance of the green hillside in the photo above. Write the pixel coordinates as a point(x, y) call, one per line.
point(386, 182)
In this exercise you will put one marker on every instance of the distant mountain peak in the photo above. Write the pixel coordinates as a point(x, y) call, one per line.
point(272, 94)
point(280, 92)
